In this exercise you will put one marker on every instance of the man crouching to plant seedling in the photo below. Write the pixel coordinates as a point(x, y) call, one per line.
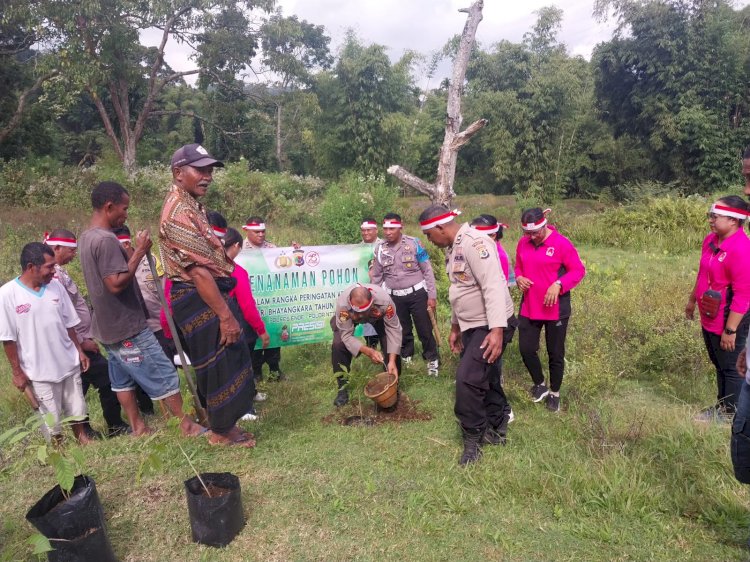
point(481, 308)
point(361, 304)
point(36, 328)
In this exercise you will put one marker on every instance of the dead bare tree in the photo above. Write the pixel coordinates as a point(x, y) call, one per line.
point(441, 192)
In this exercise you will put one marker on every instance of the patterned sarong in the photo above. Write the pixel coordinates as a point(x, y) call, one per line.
point(224, 374)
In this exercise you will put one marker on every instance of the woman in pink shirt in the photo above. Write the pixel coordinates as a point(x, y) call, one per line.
point(232, 241)
point(547, 269)
point(722, 293)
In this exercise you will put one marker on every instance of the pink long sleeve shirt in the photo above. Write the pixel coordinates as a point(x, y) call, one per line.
point(244, 295)
point(556, 258)
point(724, 265)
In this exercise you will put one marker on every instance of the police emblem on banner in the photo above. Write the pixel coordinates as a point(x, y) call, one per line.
point(299, 257)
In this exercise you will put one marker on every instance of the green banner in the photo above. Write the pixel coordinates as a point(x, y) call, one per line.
point(296, 290)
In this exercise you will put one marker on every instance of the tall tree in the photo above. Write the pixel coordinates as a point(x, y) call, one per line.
point(23, 70)
point(292, 51)
point(98, 50)
point(363, 102)
point(441, 191)
point(676, 78)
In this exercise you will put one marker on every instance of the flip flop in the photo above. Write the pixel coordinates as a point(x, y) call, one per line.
point(237, 440)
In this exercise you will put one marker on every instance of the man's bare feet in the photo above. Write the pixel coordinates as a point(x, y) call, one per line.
point(141, 429)
point(233, 437)
point(189, 428)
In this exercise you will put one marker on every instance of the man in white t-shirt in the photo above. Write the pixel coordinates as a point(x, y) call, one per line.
point(36, 327)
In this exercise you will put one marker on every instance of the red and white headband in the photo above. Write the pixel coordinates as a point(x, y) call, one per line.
point(391, 223)
point(59, 241)
point(219, 232)
point(363, 308)
point(729, 212)
point(254, 226)
point(440, 219)
point(369, 224)
point(538, 225)
point(124, 239)
point(484, 229)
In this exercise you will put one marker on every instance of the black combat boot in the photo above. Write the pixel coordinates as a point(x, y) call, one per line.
point(472, 445)
point(342, 398)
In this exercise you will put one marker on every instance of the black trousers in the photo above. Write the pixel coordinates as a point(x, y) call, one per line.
point(480, 399)
point(728, 380)
point(97, 376)
point(414, 306)
point(341, 357)
point(529, 332)
point(270, 355)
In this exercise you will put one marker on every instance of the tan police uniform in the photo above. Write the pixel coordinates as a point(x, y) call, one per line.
point(479, 301)
point(403, 269)
point(382, 315)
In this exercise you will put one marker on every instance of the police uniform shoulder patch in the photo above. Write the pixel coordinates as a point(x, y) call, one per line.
point(481, 249)
point(390, 311)
point(343, 315)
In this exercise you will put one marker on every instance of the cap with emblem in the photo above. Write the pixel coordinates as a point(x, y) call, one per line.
point(194, 155)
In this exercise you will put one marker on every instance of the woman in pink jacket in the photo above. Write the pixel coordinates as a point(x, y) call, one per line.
point(547, 269)
point(722, 293)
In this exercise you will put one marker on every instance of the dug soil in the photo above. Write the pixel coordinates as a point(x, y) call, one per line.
point(214, 491)
point(368, 413)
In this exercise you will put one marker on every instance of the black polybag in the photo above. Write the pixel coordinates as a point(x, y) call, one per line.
point(215, 521)
point(75, 527)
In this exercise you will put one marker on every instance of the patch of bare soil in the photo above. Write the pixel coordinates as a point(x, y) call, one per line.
point(367, 413)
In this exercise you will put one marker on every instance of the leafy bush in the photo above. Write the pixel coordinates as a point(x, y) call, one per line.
point(667, 224)
point(350, 200)
point(282, 198)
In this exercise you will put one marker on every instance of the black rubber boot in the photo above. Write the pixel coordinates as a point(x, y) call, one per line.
point(342, 398)
point(493, 437)
point(472, 446)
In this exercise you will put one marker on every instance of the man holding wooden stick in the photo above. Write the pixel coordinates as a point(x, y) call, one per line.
point(209, 318)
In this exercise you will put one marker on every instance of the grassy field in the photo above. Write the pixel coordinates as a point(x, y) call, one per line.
point(622, 473)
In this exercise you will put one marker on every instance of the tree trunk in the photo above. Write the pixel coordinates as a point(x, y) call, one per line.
point(23, 99)
point(129, 154)
point(279, 159)
point(441, 192)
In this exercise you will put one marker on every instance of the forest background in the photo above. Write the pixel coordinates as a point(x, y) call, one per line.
point(664, 101)
point(630, 148)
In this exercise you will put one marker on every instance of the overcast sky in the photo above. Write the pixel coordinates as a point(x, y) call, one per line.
point(426, 25)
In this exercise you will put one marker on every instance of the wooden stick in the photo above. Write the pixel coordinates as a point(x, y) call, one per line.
point(187, 369)
point(435, 329)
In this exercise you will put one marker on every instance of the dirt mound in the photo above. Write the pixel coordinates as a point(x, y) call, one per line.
point(367, 413)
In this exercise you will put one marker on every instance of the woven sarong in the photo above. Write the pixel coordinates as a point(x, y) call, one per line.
point(224, 375)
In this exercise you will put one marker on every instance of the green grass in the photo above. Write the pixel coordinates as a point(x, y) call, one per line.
point(621, 474)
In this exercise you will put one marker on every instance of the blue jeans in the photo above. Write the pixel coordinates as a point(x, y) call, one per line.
point(141, 360)
point(740, 444)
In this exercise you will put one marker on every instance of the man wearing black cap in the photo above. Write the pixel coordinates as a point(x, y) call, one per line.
point(201, 274)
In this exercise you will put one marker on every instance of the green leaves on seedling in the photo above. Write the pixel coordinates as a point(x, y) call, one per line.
point(152, 463)
point(40, 543)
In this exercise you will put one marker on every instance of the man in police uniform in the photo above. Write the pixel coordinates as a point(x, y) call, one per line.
point(255, 232)
point(402, 266)
point(481, 308)
point(360, 304)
